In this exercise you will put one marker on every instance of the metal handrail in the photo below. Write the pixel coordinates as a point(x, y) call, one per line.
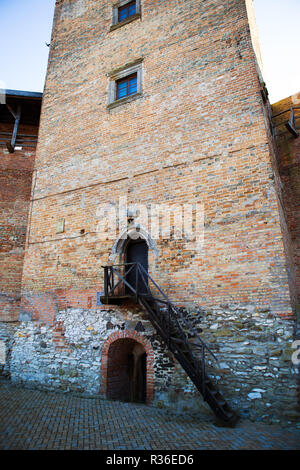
point(169, 323)
point(173, 309)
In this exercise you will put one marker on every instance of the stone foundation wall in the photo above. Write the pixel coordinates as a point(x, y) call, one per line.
point(67, 355)
point(255, 372)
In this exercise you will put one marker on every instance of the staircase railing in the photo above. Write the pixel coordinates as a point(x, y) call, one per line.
point(111, 290)
point(167, 319)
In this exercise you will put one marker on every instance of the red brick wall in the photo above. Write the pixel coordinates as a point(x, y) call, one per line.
point(197, 134)
point(15, 190)
point(288, 152)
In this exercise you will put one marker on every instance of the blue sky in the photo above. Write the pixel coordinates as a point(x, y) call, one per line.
point(25, 26)
point(278, 24)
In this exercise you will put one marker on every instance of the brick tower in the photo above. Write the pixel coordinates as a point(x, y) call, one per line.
point(152, 103)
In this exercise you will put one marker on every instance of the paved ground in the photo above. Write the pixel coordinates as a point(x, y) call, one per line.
point(31, 419)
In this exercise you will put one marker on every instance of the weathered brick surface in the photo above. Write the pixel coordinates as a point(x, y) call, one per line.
point(15, 190)
point(288, 155)
point(196, 135)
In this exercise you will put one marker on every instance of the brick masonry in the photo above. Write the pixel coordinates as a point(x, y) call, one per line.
point(15, 190)
point(198, 133)
point(203, 128)
point(288, 157)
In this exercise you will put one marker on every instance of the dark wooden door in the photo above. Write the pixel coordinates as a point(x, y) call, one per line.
point(137, 377)
point(137, 252)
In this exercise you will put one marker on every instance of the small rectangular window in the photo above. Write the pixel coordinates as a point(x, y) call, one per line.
point(127, 10)
point(127, 86)
point(124, 12)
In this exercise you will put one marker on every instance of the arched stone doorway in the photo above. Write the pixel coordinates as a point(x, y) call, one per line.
point(134, 232)
point(126, 371)
point(127, 368)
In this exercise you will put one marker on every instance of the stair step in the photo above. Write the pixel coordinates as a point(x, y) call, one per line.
point(169, 322)
point(221, 403)
point(177, 340)
point(180, 342)
point(209, 383)
point(230, 414)
point(186, 352)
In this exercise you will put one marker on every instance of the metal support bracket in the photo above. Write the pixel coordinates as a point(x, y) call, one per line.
point(291, 125)
point(17, 115)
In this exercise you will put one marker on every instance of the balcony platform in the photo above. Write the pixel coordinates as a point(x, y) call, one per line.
point(116, 299)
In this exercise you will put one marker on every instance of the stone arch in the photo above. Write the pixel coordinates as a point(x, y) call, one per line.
point(131, 232)
point(139, 339)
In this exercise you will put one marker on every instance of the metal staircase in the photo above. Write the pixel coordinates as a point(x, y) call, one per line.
point(176, 331)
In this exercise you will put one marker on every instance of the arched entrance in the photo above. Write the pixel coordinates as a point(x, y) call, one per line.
point(119, 248)
point(126, 371)
point(117, 371)
point(136, 251)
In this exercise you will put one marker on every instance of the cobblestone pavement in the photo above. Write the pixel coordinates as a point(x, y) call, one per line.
point(31, 419)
